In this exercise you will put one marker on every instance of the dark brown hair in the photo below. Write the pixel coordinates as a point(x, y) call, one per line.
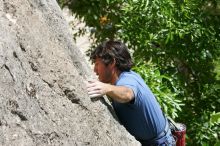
point(111, 50)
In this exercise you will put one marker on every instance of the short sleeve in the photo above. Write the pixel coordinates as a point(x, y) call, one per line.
point(129, 82)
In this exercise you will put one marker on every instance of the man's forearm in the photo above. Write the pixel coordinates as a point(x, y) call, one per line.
point(120, 93)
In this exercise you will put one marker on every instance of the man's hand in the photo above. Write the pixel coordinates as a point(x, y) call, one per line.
point(120, 94)
point(96, 88)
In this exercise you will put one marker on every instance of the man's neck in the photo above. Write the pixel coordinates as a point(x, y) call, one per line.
point(115, 76)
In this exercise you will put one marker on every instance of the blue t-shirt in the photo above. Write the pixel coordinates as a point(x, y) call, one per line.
point(143, 118)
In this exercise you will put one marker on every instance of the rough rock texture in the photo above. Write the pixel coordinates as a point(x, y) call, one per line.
point(42, 94)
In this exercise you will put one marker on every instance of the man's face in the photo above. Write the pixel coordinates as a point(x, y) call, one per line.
point(103, 71)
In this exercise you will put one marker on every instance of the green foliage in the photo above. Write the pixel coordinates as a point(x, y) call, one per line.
point(215, 118)
point(217, 69)
point(101, 16)
point(207, 133)
point(181, 38)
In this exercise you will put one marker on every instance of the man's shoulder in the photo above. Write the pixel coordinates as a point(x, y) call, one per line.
point(129, 73)
point(129, 76)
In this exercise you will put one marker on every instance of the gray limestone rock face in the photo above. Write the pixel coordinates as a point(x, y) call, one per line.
point(43, 100)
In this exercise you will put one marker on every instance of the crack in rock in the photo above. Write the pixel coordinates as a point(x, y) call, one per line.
point(33, 66)
point(8, 69)
point(22, 47)
point(71, 96)
point(19, 114)
point(49, 84)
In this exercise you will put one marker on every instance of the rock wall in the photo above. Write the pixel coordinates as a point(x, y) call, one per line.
point(42, 91)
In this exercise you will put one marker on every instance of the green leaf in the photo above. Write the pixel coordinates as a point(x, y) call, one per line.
point(215, 118)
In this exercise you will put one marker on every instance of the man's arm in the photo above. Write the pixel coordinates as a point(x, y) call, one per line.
point(120, 94)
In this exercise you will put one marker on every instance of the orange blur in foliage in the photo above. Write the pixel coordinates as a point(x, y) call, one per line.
point(103, 20)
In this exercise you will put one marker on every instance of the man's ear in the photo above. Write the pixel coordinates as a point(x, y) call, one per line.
point(113, 64)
